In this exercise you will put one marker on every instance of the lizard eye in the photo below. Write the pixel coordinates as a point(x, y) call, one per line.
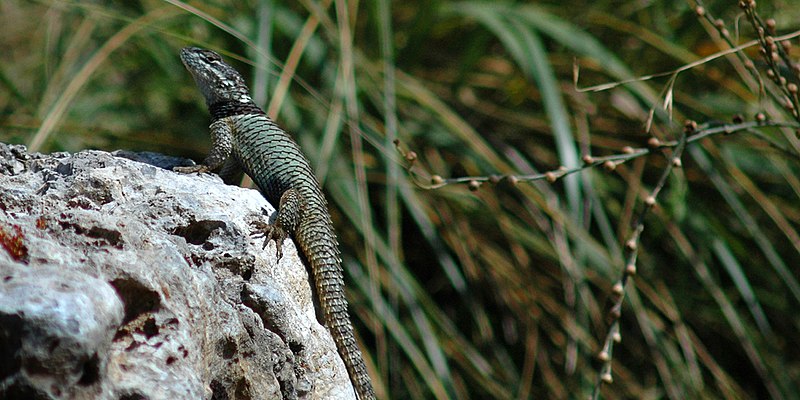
point(211, 57)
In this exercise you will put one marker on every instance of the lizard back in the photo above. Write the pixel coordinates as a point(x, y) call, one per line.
point(275, 163)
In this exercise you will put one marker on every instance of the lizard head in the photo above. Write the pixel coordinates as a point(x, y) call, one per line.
point(217, 80)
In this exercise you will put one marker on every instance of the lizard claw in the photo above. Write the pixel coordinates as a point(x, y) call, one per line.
point(270, 232)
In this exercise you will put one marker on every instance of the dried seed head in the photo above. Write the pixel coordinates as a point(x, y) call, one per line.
point(411, 156)
point(770, 22)
point(650, 201)
point(513, 180)
point(474, 185)
point(676, 162)
point(751, 4)
point(627, 150)
point(760, 117)
point(587, 159)
point(616, 337)
point(630, 269)
point(494, 179)
point(550, 176)
point(700, 11)
point(653, 142)
point(607, 378)
point(689, 126)
point(630, 245)
point(609, 165)
point(437, 180)
point(738, 118)
point(617, 289)
point(603, 356)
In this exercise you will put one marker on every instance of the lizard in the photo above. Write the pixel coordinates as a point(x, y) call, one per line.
point(244, 138)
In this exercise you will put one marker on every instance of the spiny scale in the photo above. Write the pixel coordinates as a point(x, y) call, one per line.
point(244, 137)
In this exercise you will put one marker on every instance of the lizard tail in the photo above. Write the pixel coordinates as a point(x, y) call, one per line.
point(329, 281)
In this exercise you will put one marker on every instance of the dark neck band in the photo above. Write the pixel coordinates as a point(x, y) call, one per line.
point(230, 108)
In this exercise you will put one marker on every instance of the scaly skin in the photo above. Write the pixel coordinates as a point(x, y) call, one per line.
point(243, 137)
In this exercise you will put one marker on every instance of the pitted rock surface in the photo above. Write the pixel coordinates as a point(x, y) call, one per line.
point(120, 279)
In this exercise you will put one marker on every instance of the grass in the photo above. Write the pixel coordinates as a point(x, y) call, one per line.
point(492, 255)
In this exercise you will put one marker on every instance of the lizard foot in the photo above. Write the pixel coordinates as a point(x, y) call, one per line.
point(270, 232)
point(287, 219)
point(200, 169)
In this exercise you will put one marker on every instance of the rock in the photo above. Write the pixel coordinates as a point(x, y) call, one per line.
point(120, 279)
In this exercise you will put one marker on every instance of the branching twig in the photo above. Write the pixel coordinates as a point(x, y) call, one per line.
point(775, 52)
point(691, 133)
point(609, 162)
point(631, 246)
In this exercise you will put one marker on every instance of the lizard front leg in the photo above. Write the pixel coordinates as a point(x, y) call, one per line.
point(221, 148)
point(290, 213)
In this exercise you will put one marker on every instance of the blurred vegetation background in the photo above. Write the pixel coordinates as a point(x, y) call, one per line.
point(507, 290)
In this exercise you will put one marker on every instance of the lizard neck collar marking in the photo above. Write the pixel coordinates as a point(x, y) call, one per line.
point(225, 109)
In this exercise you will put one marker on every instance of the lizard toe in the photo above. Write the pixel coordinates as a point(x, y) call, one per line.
point(270, 232)
point(200, 169)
